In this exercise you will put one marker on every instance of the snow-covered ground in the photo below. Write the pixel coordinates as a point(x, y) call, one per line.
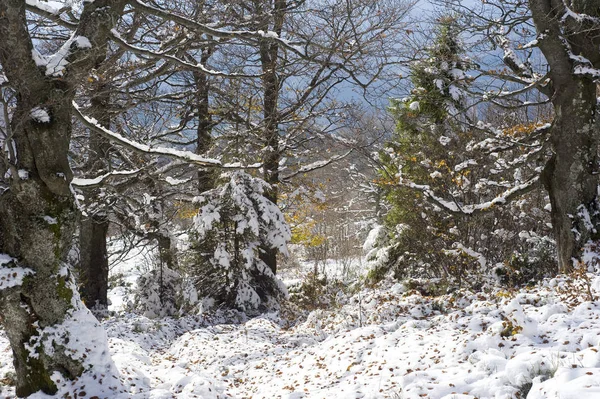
point(381, 343)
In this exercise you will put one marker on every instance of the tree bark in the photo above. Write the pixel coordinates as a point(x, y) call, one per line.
point(570, 175)
point(93, 261)
point(37, 215)
point(206, 177)
point(93, 227)
point(36, 226)
point(166, 252)
point(269, 53)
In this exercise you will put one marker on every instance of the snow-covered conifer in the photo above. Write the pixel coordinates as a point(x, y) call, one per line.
point(234, 222)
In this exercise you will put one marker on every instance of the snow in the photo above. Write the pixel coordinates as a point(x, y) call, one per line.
point(39, 59)
point(319, 164)
point(462, 250)
point(268, 34)
point(174, 182)
point(83, 182)
point(187, 156)
point(10, 274)
point(586, 71)
point(40, 115)
point(82, 42)
point(456, 93)
point(257, 222)
point(455, 207)
point(50, 220)
point(444, 140)
point(52, 7)
point(464, 165)
point(57, 62)
point(384, 342)
point(374, 236)
point(165, 55)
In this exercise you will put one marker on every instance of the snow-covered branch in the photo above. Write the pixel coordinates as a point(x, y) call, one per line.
point(501, 142)
point(460, 249)
point(220, 33)
point(168, 57)
point(316, 165)
point(182, 155)
point(187, 156)
point(51, 10)
point(97, 181)
point(458, 209)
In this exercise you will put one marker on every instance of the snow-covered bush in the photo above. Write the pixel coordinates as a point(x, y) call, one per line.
point(527, 265)
point(235, 222)
point(376, 249)
point(318, 292)
point(157, 292)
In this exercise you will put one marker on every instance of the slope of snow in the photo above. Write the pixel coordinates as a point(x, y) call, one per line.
point(388, 342)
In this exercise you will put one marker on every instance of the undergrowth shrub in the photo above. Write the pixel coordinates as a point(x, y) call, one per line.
point(157, 292)
point(317, 292)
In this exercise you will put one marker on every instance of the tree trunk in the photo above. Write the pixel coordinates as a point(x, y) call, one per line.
point(166, 253)
point(37, 215)
point(269, 53)
point(93, 228)
point(206, 177)
point(571, 175)
point(36, 227)
point(37, 221)
point(93, 261)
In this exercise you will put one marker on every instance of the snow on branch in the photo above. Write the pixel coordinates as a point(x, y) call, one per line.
point(456, 208)
point(187, 156)
point(536, 84)
point(588, 71)
point(182, 155)
point(51, 10)
point(96, 181)
point(50, 7)
point(220, 33)
point(163, 55)
point(502, 142)
point(316, 165)
point(577, 17)
point(461, 249)
point(522, 69)
point(57, 63)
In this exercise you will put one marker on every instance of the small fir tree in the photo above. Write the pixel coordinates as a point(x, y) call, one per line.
point(234, 222)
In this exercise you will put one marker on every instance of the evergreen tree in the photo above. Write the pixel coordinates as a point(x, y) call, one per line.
point(234, 223)
point(437, 153)
point(422, 150)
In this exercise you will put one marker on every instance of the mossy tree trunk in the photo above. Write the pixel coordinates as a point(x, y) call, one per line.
point(37, 215)
point(571, 175)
